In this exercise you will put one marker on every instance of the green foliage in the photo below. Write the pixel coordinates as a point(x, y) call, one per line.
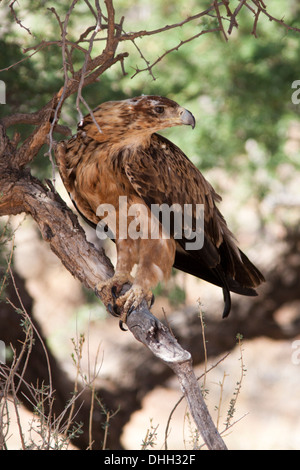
point(239, 91)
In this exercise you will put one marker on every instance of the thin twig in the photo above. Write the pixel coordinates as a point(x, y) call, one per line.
point(220, 20)
point(176, 48)
point(144, 33)
point(35, 330)
point(255, 23)
point(237, 391)
point(233, 22)
point(220, 399)
point(204, 344)
point(83, 73)
point(63, 27)
point(19, 22)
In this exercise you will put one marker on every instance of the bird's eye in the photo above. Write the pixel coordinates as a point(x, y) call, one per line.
point(159, 109)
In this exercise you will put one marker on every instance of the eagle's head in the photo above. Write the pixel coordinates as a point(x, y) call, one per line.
point(133, 121)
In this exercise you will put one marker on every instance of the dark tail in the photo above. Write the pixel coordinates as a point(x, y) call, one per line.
point(246, 276)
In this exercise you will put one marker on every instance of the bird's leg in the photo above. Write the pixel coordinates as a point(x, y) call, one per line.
point(110, 289)
point(155, 263)
point(154, 260)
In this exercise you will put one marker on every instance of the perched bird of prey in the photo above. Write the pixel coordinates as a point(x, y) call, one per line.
point(118, 155)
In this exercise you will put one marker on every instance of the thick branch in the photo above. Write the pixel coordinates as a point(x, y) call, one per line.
point(58, 225)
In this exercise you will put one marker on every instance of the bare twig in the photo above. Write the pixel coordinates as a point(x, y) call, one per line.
point(233, 21)
point(228, 10)
point(237, 391)
point(83, 74)
point(17, 20)
point(62, 93)
point(255, 23)
point(220, 20)
point(276, 20)
point(144, 33)
point(176, 48)
point(204, 343)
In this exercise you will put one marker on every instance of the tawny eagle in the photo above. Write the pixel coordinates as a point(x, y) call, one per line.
point(117, 152)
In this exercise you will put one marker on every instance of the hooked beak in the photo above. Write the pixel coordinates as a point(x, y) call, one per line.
point(187, 118)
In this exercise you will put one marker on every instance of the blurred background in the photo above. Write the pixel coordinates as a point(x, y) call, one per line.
point(247, 144)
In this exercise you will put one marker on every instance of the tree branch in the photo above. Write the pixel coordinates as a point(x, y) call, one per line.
point(157, 337)
point(175, 48)
point(21, 192)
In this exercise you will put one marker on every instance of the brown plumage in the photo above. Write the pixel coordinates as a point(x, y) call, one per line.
point(126, 157)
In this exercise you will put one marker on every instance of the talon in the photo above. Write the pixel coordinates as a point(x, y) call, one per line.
point(110, 309)
point(124, 305)
point(109, 290)
point(116, 310)
point(133, 297)
point(131, 309)
point(114, 292)
point(121, 323)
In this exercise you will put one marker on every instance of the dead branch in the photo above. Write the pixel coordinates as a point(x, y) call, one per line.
point(58, 225)
point(154, 32)
point(221, 27)
point(161, 342)
point(233, 20)
point(176, 48)
point(16, 18)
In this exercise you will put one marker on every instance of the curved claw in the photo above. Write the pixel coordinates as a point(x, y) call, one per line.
point(124, 305)
point(121, 323)
point(111, 310)
point(131, 309)
point(114, 293)
point(116, 310)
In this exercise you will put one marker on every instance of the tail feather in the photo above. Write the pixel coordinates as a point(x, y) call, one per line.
point(235, 273)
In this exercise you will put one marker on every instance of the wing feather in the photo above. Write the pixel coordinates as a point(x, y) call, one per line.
point(171, 178)
point(163, 174)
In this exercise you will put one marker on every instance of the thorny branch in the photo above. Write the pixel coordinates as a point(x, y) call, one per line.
point(20, 192)
point(221, 11)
